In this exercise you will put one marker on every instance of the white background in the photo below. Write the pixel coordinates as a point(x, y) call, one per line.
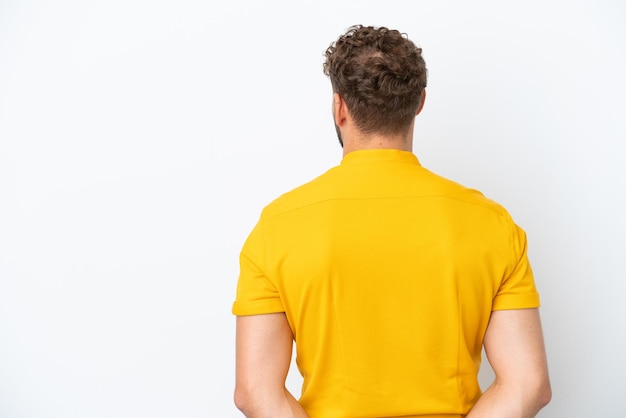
point(139, 141)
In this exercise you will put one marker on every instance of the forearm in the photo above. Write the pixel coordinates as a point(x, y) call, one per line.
point(507, 401)
point(276, 405)
point(296, 409)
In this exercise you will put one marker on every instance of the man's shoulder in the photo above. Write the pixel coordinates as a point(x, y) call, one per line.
point(333, 184)
point(446, 188)
point(305, 194)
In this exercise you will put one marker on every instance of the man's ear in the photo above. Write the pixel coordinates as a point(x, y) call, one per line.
point(340, 111)
point(422, 101)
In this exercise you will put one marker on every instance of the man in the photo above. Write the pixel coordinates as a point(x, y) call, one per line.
point(388, 277)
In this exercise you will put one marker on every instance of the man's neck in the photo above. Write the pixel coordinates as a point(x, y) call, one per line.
point(365, 142)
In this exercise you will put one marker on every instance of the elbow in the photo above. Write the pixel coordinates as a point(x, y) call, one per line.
point(243, 399)
point(257, 400)
point(531, 395)
point(544, 394)
point(538, 393)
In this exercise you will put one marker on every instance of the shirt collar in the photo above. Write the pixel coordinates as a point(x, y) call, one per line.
point(379, 156)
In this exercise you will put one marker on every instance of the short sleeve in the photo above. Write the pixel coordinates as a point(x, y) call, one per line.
point(256, 294)
point(517, 290)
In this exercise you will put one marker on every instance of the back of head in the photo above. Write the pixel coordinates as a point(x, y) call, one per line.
point(380, 74)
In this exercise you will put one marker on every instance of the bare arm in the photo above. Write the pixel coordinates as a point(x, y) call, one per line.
point(515, 350)
point(264, 344)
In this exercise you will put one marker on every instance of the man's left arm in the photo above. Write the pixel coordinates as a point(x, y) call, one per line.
point(263, 346)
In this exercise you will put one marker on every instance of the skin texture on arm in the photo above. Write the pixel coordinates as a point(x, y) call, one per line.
point(263, 356)
point(515, 350)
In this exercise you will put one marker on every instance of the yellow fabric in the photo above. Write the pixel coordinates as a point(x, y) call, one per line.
point(387, 274)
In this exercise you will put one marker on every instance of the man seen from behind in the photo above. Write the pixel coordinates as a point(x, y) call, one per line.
point(389, 278)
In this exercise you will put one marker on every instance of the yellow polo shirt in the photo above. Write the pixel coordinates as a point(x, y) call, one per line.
point(387, 274)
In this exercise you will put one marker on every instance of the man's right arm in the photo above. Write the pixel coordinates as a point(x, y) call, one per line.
point(515, 350)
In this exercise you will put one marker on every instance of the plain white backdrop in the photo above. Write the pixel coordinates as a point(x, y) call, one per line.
point(139, 141)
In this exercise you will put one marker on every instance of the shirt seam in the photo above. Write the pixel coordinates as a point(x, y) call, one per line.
point(270, 216)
